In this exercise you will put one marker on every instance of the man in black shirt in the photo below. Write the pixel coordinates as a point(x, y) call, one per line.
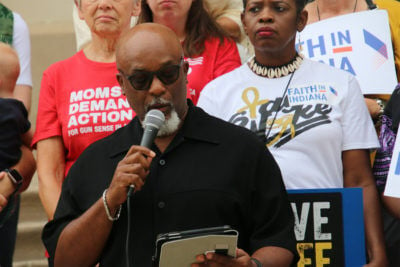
point(200, 172)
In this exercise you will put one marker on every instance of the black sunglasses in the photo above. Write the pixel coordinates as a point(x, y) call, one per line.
point(141, 79)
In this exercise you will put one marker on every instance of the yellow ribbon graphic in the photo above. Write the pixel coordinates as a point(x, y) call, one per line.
point(252, 106)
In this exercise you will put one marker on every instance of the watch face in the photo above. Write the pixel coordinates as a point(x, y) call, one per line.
point(15, 177)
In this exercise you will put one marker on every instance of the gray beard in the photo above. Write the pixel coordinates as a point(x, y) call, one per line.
point(170, 125)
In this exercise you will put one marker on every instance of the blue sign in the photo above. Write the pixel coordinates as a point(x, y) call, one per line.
point(329, 226)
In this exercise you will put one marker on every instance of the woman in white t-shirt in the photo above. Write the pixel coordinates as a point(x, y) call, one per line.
point(310, 115)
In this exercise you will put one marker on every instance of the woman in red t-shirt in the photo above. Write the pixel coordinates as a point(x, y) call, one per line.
point(80, 99)
point(206, 47)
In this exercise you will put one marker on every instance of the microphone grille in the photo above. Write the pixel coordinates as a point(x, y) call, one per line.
point(154, 118)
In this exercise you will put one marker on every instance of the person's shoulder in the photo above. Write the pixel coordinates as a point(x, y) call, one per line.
point(216, 42)
point(317, 67)
point(12, 105)
point(13, 111)
point(70, 60)
point(19, 21)
point(225, 132)
point(104, 147)
point(98, 152)
point(228, 77)
point(396, 92)
point(225, 82)
point(64, 64)
point(6, 105)
point(20, 31)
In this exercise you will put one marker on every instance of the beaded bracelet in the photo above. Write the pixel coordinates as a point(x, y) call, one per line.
point(257, 262)
point(108, 209)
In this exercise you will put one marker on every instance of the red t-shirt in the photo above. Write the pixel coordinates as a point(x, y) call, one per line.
point(217, 59)
point(81, 101)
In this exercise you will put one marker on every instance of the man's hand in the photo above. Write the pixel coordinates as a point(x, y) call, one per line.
point(6, 185)
point(216, 260)
point(6, 189)
point(131, 170)
point(373, 107)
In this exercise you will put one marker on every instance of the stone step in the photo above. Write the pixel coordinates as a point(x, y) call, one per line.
point(34, 263)
point(29, 250)
point(29, 246)
point(31, 209)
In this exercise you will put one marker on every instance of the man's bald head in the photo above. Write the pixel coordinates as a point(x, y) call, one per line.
point(144, 41)
point(9, 68)
point(150, 56)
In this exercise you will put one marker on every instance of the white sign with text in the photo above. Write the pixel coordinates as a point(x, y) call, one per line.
point(359, 43)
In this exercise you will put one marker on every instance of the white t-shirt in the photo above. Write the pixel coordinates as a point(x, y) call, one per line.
point(22, 44)
point(323, 114)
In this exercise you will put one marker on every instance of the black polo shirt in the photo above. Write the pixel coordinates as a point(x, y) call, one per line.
point(212, 174)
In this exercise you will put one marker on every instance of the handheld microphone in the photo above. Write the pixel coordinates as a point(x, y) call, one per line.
point(153, 120)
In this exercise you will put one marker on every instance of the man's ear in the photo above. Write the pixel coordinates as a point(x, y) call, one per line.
point(121, 82)
point(302, 20)
point(137, 8)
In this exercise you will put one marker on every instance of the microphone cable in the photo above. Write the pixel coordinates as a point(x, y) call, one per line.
point(128, 234)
